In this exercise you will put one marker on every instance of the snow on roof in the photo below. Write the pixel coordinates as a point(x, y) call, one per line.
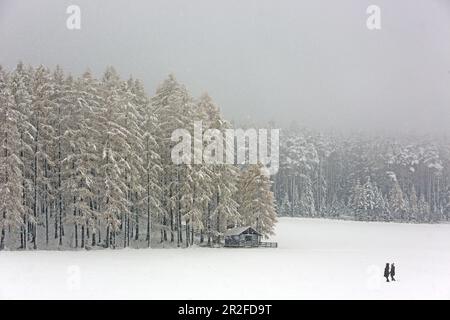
point(239, 230)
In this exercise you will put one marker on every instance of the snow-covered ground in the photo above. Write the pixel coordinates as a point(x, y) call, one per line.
point(315, 259)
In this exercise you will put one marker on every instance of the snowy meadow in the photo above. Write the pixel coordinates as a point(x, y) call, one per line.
point(323, 259)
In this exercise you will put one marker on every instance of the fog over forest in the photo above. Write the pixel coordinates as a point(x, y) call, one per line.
point(312, 62)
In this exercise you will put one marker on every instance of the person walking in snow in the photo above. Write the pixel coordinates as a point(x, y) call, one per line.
point(392, 271)
point(386, 272)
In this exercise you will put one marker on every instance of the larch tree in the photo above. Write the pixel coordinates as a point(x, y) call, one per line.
point(173, 106)
point(150, 200)
point(305, 201)
point(256, 201)
point(413, 205)
point(113, 145)
point(12, 209)
point(41, 107)
point(130, 119)
point(220, 206)
point(20, 82)
point(80, 145)
point(397, 203)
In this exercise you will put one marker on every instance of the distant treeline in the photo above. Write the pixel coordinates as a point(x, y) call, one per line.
point(363, 177)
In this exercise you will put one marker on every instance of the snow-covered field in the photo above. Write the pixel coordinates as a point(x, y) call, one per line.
point(316, 259)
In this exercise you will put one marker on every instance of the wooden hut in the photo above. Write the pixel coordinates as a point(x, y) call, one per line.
point(242, 237)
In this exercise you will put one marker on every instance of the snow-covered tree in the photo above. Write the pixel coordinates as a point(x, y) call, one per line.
point(397, 203)
point(151, 165)
point(424, 209)
point(256, 201)
point(80, 145)
point(12, 209)
point(114, 148)
point(220, 205)
point(41, 110)
point(367, 201)
point(413, 205)
point(20, 82)
point(285, 207)
point(305, 204)
point(356, 201)
point(381, 211)
point(173, 107)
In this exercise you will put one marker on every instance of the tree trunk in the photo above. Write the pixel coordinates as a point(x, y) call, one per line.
point(21, 238)
point(76, 235)
point(75, 224)
point(55, 224)
point(208, 225)
point(128, 229)
point(136, 232)
point(34, 229)
point(107, 240)
point(164, 225)
point(46, 224)
point(24, 196)
point(61, 230)
point(148, 238)
point(187, 234)
point(2, 239)
point(45, 204)
point(124, 224)
point(171, 221)
point(82, 236)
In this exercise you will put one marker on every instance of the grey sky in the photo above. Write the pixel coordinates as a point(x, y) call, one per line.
point(310, 61)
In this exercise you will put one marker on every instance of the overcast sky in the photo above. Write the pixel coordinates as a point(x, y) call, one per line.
point(311, 61)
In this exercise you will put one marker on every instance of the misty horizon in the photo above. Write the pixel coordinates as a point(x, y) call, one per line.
point(312, 63)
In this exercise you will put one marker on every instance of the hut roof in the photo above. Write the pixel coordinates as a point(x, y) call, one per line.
point(240, 230)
